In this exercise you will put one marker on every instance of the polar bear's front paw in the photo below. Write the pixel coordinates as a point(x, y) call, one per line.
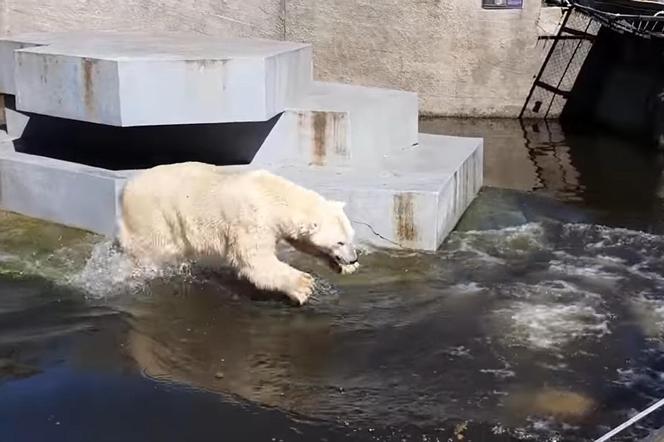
point(350, 268)
point(303, 289)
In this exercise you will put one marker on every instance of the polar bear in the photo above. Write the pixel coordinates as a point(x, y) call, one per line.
point(207, 214)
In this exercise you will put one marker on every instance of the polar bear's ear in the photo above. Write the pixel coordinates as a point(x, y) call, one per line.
point(340, 204)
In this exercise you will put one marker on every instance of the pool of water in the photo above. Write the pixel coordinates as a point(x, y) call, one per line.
point(541, 318)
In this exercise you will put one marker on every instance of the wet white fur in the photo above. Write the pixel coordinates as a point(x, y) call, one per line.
point(200, 212)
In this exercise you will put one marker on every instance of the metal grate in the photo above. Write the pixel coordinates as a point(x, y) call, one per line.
point(561, 66)
point(570, 47)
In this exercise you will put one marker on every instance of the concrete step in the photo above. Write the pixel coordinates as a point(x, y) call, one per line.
point(58, 191)
point(8, 45)
point(339, 125)
point(335, 124)
point(140, 79)
point(352, 143)
point(412, 201)
point(135, 79)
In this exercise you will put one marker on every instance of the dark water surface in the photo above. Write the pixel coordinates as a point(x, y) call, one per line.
point(541, 318)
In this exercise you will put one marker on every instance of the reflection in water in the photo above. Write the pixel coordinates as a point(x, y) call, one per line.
point(529, 156)
point(595, 169)
point(549, 152)
point(531, 323)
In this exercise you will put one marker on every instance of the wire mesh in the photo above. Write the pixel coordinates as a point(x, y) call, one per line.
point(561, 67)
point(572, 44)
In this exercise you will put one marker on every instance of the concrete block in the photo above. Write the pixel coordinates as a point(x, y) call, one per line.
point(401, 205)
point(417, 198)
point(6, 143)
point(135, 80)
point(57, 191)
point(386, 210)
point(7, 65)
point(411, 199)
point(10, 44)
point(340, 125)
point(16, 122)
point(352, 143)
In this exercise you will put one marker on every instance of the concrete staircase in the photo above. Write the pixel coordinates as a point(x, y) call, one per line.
point(358, 144)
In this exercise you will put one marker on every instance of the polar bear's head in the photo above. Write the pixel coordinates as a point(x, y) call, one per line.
point(329, 236)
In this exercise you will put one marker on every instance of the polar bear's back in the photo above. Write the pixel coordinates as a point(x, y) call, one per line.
point(173, 211)
point(190, 208)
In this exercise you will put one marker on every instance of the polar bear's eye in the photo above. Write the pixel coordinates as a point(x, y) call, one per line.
point(341, 243)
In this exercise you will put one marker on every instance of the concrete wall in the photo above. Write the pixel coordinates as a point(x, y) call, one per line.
point(461, 59)
point(250, 18)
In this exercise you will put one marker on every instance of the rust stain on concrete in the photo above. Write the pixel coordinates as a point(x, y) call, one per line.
point(404, 217)
point(88, 84)
point(328, 135)
point(44, 71)
point(319, 126)
point(339, 132)
point(204, 63)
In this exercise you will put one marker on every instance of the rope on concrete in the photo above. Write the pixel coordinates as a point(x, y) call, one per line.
point(629, 422)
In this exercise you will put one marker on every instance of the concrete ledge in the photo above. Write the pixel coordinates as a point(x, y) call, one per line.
point(9, 45)
point(352, 143)
point(342, 125)
point(58, 191)
point(401, 205)
point(412, 199)
point(134, 80)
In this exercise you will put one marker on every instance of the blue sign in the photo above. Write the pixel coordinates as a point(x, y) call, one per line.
point(502, 4)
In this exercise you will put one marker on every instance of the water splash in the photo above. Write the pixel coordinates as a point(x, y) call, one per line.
point(109, 272)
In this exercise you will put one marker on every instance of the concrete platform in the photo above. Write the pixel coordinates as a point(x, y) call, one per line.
point(331, 124)
point(353, 143)
point(412, 200)
point(341, 125)
point(58, 191)
point(135, 79)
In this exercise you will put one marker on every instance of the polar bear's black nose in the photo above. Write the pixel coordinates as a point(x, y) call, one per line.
point(353, 262)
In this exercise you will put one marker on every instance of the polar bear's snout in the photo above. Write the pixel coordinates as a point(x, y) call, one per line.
point(345, 253)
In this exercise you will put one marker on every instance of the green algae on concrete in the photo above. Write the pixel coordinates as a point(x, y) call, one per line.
point(32, 247)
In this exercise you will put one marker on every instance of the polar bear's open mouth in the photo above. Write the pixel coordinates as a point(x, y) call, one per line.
point(344, 269)
point(333, 263)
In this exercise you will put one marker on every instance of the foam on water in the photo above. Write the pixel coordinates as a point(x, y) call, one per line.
point(503, 243)
point(569, 278)
point(551, 326)
point(648, 308)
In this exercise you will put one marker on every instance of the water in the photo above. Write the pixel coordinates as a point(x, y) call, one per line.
point(541, 319)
